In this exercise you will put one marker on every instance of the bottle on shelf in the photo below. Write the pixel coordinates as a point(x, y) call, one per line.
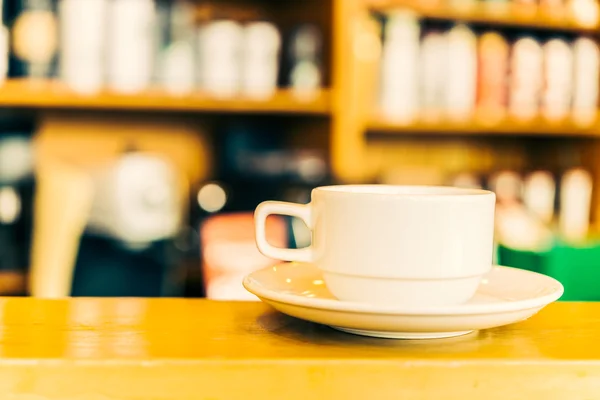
point(461, 75)
point(220, 45)
point(558, 76)
point(526, 79)
point(586, 56)
point(464, 76)
point(176, 48)
point(130, 47)
point(433, 76)
point(82, 44)
point(539, 194)
point(508, 186)
point(260, 64)
point(492, 85)
point(575, 203)
point(399, 68)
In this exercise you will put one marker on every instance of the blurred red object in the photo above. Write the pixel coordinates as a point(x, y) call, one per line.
point(229, 252)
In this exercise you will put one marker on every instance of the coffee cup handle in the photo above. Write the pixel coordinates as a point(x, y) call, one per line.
point(267, 208)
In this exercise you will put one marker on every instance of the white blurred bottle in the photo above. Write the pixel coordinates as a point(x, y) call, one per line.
point(539, 195)
point(130, 47)
point(526, 80)
point(586, 57)
point(82, 35)
point(178, 60)
point(575, 203)
point(508, 186)
point(433, 75)
point(260, 65)
point(220, 45)
point(399, 87)
point(461, 73)
point(558, 75)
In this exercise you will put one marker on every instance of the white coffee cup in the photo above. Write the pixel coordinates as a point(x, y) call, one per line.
point(410, 246)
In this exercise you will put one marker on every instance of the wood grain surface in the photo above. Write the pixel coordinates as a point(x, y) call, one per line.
point(198, 349)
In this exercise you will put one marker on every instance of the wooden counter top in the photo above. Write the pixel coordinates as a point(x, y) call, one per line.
point(196, 349)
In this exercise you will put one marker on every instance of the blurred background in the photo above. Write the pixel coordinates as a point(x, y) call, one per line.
point(137, 136)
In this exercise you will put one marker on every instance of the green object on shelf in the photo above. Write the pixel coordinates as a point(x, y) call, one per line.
point(576, 267)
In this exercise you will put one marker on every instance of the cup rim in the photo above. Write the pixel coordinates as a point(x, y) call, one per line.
point(404, 191)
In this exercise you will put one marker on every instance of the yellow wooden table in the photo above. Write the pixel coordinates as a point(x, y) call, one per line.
point(196, 349)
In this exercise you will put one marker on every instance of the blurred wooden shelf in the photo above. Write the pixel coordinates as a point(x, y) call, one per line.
point(510, 15)
point(16, 93)
point(538, 127)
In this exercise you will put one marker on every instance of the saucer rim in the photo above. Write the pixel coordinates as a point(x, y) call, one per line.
point(263, 293)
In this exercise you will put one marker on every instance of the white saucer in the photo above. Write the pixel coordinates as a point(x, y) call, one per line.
point(506, 295)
